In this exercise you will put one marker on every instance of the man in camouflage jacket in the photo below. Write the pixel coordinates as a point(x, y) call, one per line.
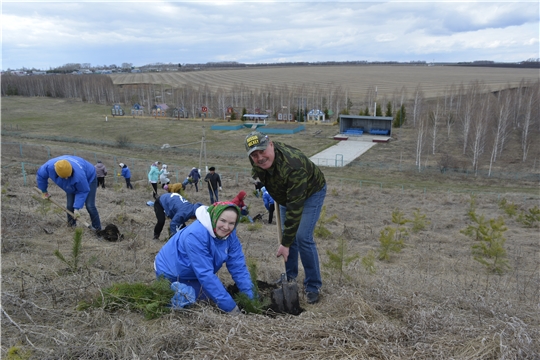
point(298, 185)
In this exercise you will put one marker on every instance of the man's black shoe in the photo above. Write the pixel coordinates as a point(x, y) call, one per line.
point(312, 297)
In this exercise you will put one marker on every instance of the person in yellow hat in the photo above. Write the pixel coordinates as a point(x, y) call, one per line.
point(77, 177)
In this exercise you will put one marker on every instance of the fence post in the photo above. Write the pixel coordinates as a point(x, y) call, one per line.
point(49, 152)
point(20, 150)
point(23, 173)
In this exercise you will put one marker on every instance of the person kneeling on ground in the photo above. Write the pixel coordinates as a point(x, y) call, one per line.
point(175, 207)
point(194, 255)
point(239, 201)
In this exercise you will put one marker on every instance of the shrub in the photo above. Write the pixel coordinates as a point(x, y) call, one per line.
point(122, 141)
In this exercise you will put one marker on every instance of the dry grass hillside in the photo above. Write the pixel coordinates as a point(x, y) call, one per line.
point(431, 300)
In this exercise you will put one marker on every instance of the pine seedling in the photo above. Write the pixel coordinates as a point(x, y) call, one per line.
point(472, 205)
point(419, 222)
point(73, 263)
point(256, 226)
point(399, 219)
point(489, 246)
point(390, 242)
point(391, 238)
point(44, 205)
point(257, 305)
point(153, 300)
point(530, 219)
point(509, 208)
point(368, 262)
point(339, 260)
point(321, 230)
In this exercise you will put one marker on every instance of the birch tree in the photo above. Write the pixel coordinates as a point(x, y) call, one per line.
point(530, 106)
point(479, 127)
point(417, 106)
point(467, 112)
point(434, 120)
point(421, 131)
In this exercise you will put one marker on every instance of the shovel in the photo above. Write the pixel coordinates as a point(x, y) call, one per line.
point(285, 298)
point(63, 208)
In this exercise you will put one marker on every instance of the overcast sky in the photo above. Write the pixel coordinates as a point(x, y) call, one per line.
point(46, 35)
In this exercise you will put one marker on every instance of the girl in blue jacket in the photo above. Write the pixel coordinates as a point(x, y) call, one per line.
point(126, 173)
point(77, 177)
point(195, 254)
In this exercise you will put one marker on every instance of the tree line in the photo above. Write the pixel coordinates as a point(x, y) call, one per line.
point(481, 119)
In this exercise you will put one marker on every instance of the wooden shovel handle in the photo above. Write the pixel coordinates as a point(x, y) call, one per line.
point(63, 208)
point(278, 219)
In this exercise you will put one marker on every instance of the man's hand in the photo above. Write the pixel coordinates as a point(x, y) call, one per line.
point(76, 213)
point(45, 195)
point(283, 251)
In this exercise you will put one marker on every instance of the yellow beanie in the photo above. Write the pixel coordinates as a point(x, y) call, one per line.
point(63, 168)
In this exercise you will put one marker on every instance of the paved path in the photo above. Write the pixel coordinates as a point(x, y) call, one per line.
point(343, 152)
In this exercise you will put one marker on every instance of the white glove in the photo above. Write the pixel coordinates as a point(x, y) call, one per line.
point(220, 188)
point(77, 213)
point(235, 312)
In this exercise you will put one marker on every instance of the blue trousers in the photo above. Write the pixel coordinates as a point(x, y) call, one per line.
point(90, 204)
point(304, 243)
point(216, 191)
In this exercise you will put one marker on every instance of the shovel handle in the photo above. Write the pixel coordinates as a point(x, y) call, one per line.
point(278, 220)
point(63, 208)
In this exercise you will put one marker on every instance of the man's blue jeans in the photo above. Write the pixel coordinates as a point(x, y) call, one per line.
point(216, 191)
point(90, 206)
point(304, 244)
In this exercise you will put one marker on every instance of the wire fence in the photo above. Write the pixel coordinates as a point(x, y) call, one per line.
point(27, 158)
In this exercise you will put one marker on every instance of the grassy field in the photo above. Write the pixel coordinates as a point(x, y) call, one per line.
point(430, 300)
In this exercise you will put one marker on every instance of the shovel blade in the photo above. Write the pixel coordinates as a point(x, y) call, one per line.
point(285, 298)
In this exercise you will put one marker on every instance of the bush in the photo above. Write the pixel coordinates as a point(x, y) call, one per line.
point(122, 141)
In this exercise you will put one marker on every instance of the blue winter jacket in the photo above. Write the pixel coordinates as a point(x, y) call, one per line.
point(126, 172)
point(194, 253)
point(267, 200)
point(78, 183)
point(178, 209)
point(194, 173)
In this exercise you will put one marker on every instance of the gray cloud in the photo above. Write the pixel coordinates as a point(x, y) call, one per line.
point(50, 34)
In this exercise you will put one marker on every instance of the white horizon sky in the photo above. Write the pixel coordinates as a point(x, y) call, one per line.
point(45, 35)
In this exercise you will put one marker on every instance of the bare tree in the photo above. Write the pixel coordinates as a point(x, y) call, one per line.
point(479, 127)
point(434, 119)
point(502, 125)
point(467, 111)
point(421, 131)
point(530, 104)
point(417, 106)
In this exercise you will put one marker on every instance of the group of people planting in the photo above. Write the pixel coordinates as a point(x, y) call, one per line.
point(288, 181)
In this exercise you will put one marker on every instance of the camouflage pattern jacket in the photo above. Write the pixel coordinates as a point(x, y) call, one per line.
point(291, 180)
